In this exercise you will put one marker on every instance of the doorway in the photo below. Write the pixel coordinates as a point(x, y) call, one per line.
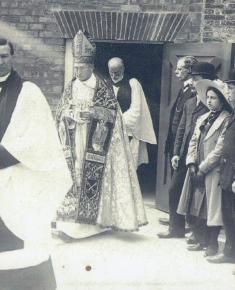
point(144, 62)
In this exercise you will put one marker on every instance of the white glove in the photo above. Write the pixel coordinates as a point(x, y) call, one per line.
point(175, 162)
point(233, 187)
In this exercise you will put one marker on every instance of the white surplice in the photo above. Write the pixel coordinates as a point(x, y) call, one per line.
point(139, 124)
point(31, 191)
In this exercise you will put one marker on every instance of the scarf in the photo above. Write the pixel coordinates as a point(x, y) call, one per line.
point(124, 93)
point(209, 120)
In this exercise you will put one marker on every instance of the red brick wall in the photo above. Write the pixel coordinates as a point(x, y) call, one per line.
point(35, 19)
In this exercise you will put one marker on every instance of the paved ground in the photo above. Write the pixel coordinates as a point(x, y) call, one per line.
point(137, 261)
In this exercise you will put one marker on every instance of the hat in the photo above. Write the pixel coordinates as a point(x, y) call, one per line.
point(231, 77)
point(83, 48)
point(203, 68)
point(202, 87)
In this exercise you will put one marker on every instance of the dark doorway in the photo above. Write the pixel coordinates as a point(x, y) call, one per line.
point(144, 62)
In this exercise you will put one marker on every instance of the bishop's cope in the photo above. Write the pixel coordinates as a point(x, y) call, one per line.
point(105, 193)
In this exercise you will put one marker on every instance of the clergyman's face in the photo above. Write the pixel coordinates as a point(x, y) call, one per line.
point(5, 60)
point(83, 71)
point(116, 73)
point(181, 71)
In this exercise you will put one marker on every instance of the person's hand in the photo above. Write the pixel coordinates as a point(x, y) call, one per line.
point(66, 113)
point(175, 162)
point(233, 187)
point(200, 173)
point(86, 115)
point(192, 169)
point(70, 120)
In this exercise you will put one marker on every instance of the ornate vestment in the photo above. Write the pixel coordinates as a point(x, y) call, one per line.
point(106, 190)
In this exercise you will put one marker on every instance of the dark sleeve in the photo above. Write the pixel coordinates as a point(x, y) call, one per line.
point(180, 133)
point(170, 138)
point(6, 159)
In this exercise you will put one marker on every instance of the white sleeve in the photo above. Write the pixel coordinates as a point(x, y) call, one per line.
point(132, 114)
point(31, 136)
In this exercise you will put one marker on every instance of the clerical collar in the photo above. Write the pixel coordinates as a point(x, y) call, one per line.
point(188, 83)
point(4, 78)
point(198, 100)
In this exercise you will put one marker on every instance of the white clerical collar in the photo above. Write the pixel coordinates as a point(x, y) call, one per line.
point(4, 78)
point(198, 100)
point(187, 83)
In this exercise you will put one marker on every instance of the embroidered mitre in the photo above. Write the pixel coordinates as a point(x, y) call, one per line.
point(83, 48)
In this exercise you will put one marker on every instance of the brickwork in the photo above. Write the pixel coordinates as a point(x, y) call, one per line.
point(34, 19)
point(43, 61)
point(219, 20)
point(190, 32)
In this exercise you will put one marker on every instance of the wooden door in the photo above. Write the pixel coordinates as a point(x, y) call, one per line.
point(217, 53)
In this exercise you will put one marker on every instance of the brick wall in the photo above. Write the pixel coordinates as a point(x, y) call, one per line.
point(40, 48)
point(190, 32)
point(219, 20)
